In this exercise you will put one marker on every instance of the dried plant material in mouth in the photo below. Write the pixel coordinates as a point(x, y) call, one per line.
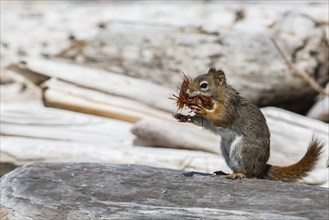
point(199, 100)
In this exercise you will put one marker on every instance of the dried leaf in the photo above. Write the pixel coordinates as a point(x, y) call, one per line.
point(199, 100)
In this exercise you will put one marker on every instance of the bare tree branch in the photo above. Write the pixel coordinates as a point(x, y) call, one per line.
point(314, 84)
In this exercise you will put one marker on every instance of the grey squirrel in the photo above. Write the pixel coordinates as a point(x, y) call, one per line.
point(245, 142)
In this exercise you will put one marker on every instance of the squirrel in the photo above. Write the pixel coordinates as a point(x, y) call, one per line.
point(245, 136)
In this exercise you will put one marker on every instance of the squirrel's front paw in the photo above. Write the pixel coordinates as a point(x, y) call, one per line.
point(199, 110)
point(181, 117)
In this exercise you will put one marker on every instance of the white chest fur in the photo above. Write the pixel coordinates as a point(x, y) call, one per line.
point(229, 139)
point(230, 146)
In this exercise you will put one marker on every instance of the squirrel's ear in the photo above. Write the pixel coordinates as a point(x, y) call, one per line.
point(218, 74)
point(212, 71)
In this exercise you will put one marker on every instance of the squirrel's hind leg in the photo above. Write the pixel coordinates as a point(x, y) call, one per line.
point(234, 176)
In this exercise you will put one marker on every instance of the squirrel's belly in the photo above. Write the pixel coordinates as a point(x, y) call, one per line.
point(231, 152)
point(229, 144)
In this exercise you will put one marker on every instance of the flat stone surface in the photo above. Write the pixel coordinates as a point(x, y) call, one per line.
point(105, 191)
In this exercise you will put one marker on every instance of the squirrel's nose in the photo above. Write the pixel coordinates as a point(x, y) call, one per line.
point(187, 93)
point(190, 94)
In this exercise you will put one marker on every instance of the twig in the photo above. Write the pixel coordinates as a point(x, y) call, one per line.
point(76, 46)
point(314, 84)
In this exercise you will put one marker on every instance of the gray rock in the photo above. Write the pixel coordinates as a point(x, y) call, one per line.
point(105, 191)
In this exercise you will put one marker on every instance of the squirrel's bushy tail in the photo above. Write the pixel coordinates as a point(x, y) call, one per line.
point(300, 169)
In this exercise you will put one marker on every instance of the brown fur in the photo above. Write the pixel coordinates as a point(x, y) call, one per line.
point(300, 169)
point(234, 176)
point(245, 142)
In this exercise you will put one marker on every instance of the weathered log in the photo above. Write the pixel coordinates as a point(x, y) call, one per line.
point(174, 135)
point(252, 63)
point(65, 95)
point(38, 70)
point(14, 153)
point(320, 110)
point(57, 135)
point(36, 121)
point(16, 88)
point(187, 37)
point(105, 191)
point(34, 133)
point(290, 135)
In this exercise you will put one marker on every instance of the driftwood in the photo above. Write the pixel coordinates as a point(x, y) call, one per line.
point(290, 135)
point(185, 37)
point(97, 92)
point(64, 95)
point(174, 135)
point(104, 191)
point(252, 63)
point(320, 110)
point(16, 88)
point(305, 76)
point(58, 135)
point(33, 133)
point(40, 70)
point(14, 153)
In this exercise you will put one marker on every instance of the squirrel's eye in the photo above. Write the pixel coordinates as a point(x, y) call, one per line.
point(203, 85)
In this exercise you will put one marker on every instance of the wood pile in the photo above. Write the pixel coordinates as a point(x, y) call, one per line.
point(123, 67)
point(59, 133)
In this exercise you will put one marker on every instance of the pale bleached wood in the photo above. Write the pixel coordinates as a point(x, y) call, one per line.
point(175, 135)
point(58, 129)
point(16, 88)
point(60, 99)
point(64, 95)
point(251, 62)
point(290, 136)
point(320, 110)
point(36, 121)
point(136, 89)
point(57, 150)
point(64, 136)
point(157, 41)
point(304, 75)
point(60, 94)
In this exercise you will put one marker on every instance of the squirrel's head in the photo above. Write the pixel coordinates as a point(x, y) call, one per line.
point(210, 84)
